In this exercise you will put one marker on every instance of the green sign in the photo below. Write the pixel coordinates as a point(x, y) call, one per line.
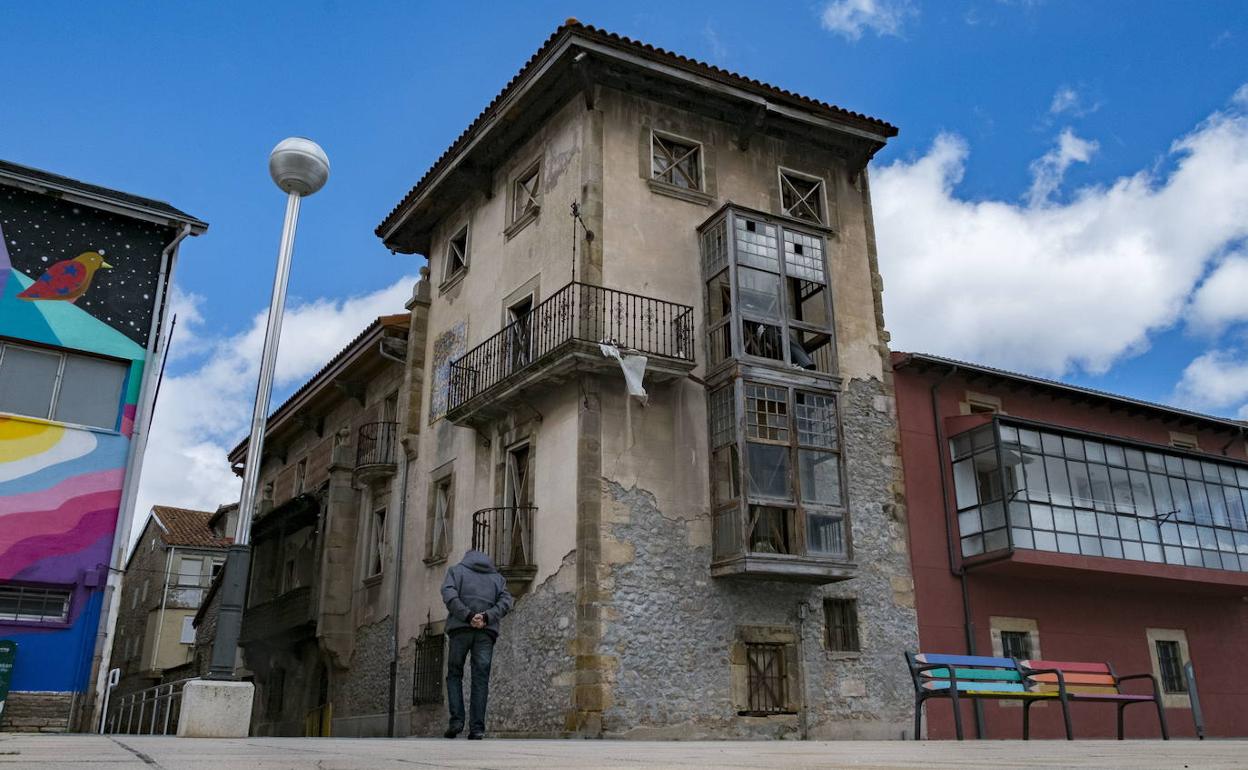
point(8, 653)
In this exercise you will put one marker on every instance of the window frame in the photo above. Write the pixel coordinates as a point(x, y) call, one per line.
point(524, 205)
point(848, 635)
point(450, 276)
point(695, 147)
point(63, 356)
point(375, 561)
point(760, 700)
point(1177, 637)
point(27, 592)
point(820, 188)
point(428, 666)
point(444, 478)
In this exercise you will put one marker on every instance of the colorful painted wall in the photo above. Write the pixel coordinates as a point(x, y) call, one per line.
point(81, 279)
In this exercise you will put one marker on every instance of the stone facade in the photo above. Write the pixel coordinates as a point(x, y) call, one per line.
point(37, 712)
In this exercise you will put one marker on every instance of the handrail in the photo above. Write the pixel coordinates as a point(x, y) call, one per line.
point(376, 442)
point(152, 711)
point(577, 312)
point(505, 534)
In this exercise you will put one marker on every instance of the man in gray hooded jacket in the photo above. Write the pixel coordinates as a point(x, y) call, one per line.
point(476, 599)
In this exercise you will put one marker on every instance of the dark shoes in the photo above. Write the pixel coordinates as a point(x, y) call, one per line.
point(476, 736)
point(453, 731)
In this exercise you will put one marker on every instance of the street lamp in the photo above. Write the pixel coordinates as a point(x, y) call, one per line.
point(299, 167)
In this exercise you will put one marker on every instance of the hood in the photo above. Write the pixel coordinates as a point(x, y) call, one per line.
point(478, 562)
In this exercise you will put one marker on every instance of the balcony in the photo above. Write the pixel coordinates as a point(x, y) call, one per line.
point(375, 450)
point(506, 536)
point(288, 616)
point(776, 544)
point(561, 336)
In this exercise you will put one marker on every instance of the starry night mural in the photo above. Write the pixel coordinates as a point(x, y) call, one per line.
point(65, 253)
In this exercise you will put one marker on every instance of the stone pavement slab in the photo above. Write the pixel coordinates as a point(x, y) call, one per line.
point(128, 752)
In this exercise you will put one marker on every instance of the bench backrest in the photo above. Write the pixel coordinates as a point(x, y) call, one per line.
point(1088, 678)
point(972, 672)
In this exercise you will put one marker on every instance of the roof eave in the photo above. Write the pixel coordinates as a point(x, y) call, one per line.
point(102, 202)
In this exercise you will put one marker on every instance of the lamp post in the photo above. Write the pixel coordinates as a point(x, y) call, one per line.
point(299, 167)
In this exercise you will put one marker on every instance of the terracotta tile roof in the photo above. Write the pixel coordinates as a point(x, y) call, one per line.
point(186, 527)
point(573, 26)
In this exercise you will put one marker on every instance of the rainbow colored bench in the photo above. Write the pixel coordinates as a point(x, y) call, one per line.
point(974, 677)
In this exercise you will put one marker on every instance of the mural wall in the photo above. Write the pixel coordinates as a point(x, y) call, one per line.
point(72, 278)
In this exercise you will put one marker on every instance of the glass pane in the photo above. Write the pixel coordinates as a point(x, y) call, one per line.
point(987, 476)
point(1102, 497)
point(1046, 541)
point(725, 475)
point(1200, 503)
point(1052, 444)
point(803, 256)
point(820, 477)
point(1163, 502)
point(1009, 434)
point(90, 392)
point(1217, 505)
point(757, 244)
point(965, 484)
point(1182, 503)
point(823, 534)
point(758, 292)
point(1080, 484)
point(1041, 517)
point(766, 412)
point(1121, 484)
point(1135, 459)
point(1059, 487)
point(1114, 455)
point(767, 469)
point(816, 420)
point(718, 298)
point(1029, 439)
point(968, 522)
point(26, 380)
point(1142, 494)
point(1037, 487)
point(1095, 451)
point(1073, 448)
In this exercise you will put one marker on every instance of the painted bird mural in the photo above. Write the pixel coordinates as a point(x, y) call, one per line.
point(66, 280)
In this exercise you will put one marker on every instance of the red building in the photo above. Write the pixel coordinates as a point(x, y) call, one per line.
point(1054, 522)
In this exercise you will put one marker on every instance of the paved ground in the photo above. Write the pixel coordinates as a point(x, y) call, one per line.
point(44, 752)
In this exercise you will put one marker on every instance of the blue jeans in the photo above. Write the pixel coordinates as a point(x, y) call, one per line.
point(481, 644)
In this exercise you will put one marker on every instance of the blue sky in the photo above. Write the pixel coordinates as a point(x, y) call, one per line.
point(183, 101)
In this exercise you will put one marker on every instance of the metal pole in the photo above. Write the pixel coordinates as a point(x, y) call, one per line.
point(237, 563)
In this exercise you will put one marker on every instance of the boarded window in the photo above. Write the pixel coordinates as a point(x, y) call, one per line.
point(427, 676)
point(801, 196)
point(676, 162)
point(841, 616)
point(525, 195)
point(766, 679)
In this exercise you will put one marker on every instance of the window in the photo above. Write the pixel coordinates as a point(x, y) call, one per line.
point(1170, 663)
point(1078, 494)
point(525, 201)
point(801, 196)
point(301, 473)
point(520, 334)
point(427, 674)
point(217, 566)
point(290, 574)
point(55, 385)
point(767, 680)
point(34, 604)
point(1184, 441)
point(779, 311)
point(188, 630)
point(438, 529)
point(676, 162)
point(1016, 644)
point(841, 617)
point(143, 594)
point(377, 542)
point(456, 255)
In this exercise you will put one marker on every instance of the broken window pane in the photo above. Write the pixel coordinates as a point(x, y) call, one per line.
point(725, 475)
point(524, 195)
point(811, 350)
point(820, 477)
point(766, 412)
point(677, 163)
point(807, 302)
point(456, 255)
point(803, 256)
point(715, 247)
point(801, 197)
point(757, 245)
point(762, 340)
point(722, 417)
point(718, 298)
point(759, 292)
point(771, 529)
point(816, 420)
point(767, 471)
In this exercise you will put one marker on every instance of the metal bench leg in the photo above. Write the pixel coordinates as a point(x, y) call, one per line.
point(1161, 718)
point(957, 715)
point(1121, 708)
point(1070, 733)
point(1027, 720)
point(918, 717)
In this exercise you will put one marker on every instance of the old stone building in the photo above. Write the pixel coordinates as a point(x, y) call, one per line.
point(167, 577)
point(318, 631)
point(725, 556)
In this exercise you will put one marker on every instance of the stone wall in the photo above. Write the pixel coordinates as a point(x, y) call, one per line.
point(671, 632)
point(37, 712)
point(361, 694)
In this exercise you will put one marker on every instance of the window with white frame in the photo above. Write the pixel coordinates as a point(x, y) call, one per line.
point(677, 162)
point(62, 386)
point(34, 604)
point(801, 196)
point(188, 630)
point(438, 529)
point(456, 255)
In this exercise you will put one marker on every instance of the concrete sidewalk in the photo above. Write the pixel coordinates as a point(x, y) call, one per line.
point(44, 752)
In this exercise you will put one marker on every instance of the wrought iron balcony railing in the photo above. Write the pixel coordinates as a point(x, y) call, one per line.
point(505, 535)
point(375, 446)
point(579, 312)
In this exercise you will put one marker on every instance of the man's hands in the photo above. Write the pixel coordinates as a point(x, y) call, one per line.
point(478, 620)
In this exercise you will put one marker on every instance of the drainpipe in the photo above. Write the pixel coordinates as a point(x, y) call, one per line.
point(164, 599)
point(803, 712)
point(398, 565)
point(968, 622)
point(156, 338)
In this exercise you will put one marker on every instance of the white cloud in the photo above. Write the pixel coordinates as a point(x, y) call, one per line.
point(1240, 97)
point(1222, 298)
point(1068, 101)
point(1048, 170)
point(203, 413)
point(1046, 288)
point(1216, 380)
point(850, 18)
